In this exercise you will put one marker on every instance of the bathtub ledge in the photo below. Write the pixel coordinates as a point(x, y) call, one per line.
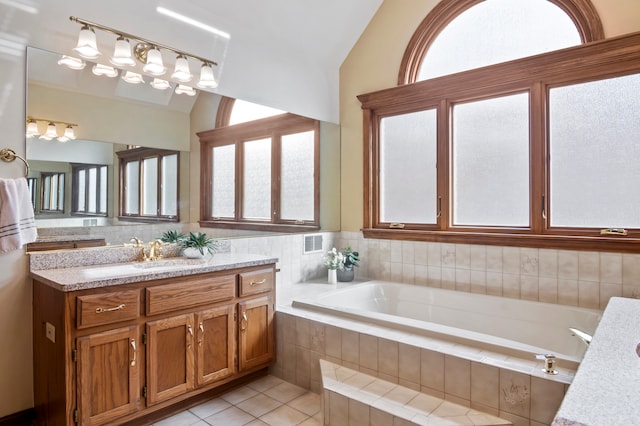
point(606, 386)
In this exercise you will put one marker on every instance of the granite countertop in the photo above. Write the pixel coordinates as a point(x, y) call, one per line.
point(64, 238)
point(607, 384)
point(110, 274)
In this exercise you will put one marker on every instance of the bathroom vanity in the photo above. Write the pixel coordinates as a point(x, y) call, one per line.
point(113, 343)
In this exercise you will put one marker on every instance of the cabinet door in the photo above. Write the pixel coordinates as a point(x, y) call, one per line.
point(170, 369)
point(108, 375)
point(215, 344)
point(256, 337)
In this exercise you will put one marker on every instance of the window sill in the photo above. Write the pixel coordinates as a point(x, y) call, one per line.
point(621, 244)
point(267, 227)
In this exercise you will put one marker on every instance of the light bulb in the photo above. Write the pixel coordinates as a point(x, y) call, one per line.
point(122, 53)
point(182, 72)
point(71, 62)
point(207, 80)
point(160, 84)
point(104, 70)
point(132, 77)
point(185, 90)
point(87, 46)
point(154, 64)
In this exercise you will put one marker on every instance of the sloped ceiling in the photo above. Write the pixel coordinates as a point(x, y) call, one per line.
point(281, 53)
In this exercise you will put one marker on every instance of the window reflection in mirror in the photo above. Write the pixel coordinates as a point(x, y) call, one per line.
point(149, 184)
point(89, 189)
point(52, 199)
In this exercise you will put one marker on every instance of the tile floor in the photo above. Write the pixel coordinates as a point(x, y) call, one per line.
point(266, 401)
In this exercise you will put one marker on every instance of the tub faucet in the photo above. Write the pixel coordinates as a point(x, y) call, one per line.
point(549, 363)
point(584, 337)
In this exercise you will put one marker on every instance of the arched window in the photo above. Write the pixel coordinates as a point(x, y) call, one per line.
point(507, 147)
point(464, 34)
point(260, 169)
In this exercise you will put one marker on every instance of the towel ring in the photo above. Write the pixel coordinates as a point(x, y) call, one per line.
point(8, 155)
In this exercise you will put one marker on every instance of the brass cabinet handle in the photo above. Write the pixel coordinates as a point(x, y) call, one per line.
point(117, 308)
point(243, 323)
point(133, 346)
point(262, 281)
point(613, 231)
point(201, 327)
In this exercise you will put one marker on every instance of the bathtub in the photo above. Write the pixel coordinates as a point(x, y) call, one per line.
point(510, 326)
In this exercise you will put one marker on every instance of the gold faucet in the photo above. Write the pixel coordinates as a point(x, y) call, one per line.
point(155, 250)
point(138, 242)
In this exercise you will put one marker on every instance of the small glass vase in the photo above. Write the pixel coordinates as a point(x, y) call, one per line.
point(332, 277)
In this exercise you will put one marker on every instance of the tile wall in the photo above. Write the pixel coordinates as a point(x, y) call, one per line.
point(575, 278)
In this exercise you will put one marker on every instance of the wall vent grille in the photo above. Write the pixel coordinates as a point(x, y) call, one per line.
point(312, 243)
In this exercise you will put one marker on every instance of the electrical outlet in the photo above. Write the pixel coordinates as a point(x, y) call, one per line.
point(50, 332)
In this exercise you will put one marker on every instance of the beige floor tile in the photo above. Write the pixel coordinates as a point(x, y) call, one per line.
point(309, 403)
point(238, 395)
point(209, 408)
point(284, 416)
point(312, 421)
point(285, 392)
point(257, 422)
point(264, 383)
point(184, 418)
point(232, 416)
point(259, 405)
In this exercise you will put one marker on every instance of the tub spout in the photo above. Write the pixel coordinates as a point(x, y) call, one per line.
point(584, 337)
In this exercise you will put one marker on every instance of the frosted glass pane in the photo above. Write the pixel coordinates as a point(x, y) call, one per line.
point(169, 185)
point(150, 186)
point(224, 181)
point(103, 190)
point(491, 162)
point(408, 187)
point(93, 184)
point(82, 190)
point(297, 176)
point(133, 188)
point(495, 31)
point(595, 134)
point(257, 179)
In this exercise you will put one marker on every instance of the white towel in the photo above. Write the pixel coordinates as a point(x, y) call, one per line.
point(17, 224)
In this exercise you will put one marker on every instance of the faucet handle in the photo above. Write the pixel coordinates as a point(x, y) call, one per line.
point(549, 363)
point(138, 242)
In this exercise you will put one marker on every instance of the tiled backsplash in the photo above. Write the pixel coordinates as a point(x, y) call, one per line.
point(576, 278)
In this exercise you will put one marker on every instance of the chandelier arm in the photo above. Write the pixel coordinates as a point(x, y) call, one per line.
point(149, 42)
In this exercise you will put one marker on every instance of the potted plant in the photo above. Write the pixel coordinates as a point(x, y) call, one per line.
point(333, 261)
point(172, 236)
point(350, 260)
point(197, 245)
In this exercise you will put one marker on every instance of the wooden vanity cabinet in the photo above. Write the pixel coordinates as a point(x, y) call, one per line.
point(126, 351)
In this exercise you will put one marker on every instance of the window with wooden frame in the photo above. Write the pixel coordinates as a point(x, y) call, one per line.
point(262, 174)
point(52, 192)
point(89, 189)
point(531, 152)
point(149, 185)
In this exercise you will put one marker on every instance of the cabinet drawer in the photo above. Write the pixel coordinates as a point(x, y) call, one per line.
point(192, 292)
point(107, 308)
point(256, 281)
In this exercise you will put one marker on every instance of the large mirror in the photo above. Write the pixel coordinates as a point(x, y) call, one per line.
point(109, 116)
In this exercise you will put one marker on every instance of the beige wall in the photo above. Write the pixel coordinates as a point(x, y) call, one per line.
point(374, 63)
point(99, 119)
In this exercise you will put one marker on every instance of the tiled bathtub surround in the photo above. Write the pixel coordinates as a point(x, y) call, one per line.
point(513, 389)
point(575, 278)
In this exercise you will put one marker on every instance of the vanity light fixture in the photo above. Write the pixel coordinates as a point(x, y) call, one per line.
point(104, 70)
point(87, 46)
point(132, 77)
point(51, 132)
point(122, 53)
point(148, 53)
point(160, 84)
point(185, 90)
point(52, 129)
point(69, 134)
point(181, 72)
point(32, 128)
point(154, 65)
point(71, 62)
point(207, 80)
